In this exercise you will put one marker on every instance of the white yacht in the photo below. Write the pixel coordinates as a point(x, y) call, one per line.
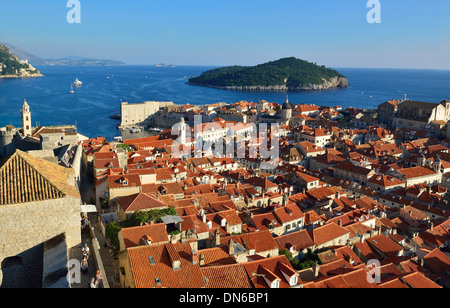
point(77, 83)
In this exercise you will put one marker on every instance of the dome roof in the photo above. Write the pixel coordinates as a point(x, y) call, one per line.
point(286, 105)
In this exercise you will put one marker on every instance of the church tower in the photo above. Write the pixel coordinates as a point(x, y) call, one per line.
point(26, 119)
point(286, 110)
point(182, 131)
point(437, 164)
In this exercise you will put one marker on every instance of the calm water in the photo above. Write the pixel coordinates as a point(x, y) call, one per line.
point(99, 97)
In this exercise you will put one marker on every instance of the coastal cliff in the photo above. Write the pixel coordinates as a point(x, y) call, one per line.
point(288, 74)
point(12, 67)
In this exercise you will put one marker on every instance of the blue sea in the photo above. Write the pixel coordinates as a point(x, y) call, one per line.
point(99, 97)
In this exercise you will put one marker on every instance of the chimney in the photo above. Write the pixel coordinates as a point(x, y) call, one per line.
point(145, 240)
point(183, 237)
point(340, 222)
point(194, 256)
point(203, 218)
point(217, 237)
point(223, 222)
point(316, 269)
point(231, 247)
point(421, 262)
point(350, 260)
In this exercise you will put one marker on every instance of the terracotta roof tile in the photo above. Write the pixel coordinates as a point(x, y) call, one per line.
point(132, 236)
point(139, 202)
point(145, 274)
point(25, 178)
point(227, 277)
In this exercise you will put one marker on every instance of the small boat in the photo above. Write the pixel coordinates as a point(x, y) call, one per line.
point(115, 116)
point(71, 90)
point(77, 83)
point(135, 130)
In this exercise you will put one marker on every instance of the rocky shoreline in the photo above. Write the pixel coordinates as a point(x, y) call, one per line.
point(21, 76)
point(333, 83)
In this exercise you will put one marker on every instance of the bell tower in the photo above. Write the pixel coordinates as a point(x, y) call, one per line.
point(26, 119)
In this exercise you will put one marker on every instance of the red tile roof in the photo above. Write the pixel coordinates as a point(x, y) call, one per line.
point(271, 269)
point(140, 202)
point(233, 276)
point(261, 241)
point(145, 273)
point(326, 233)
point(132, 236)
point(385, 245)
point(415, 172)
point(298, 240)
point(120, 181)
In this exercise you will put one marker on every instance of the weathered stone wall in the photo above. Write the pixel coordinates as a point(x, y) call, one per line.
point(24, 270)
point(26, 226)
point(7, 145)
point(157, 120)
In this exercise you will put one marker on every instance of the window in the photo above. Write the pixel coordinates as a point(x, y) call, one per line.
point(275, 284)
point(293, 281)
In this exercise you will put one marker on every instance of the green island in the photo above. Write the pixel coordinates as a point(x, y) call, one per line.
point(12, 67)
point(281, 75)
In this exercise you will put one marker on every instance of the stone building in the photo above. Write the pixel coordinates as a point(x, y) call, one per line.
point(28, 138)
point(39, 201)
point(419, 115)
point(132, 114)
point(386, 112)
point(7, 143)
point(286, 112)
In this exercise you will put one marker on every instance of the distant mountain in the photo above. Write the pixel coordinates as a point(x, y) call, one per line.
point(69, 61)
point(12, 67)
point(281, 75)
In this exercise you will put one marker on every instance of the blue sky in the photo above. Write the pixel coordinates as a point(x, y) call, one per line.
point(412, 34)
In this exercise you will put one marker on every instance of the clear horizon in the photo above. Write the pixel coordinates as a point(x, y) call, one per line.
point(412, 34)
